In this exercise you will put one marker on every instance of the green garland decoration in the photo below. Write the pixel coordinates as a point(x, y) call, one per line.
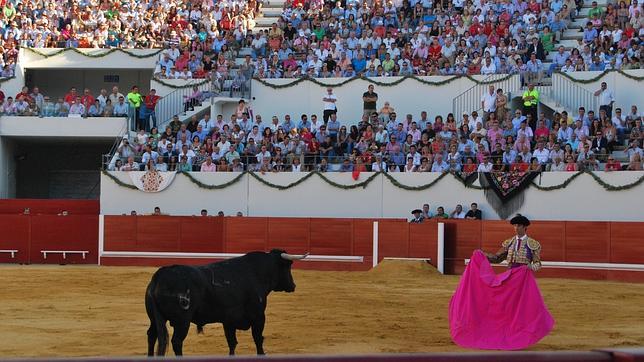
point(362, 184)
point(380, 84)
point(213, 187)
point(600, 76)
point(117, 181)
point(414, 188)
point(159, 80)
point(100, 55)
point(602, 183)
point(391, 179)
point(610, 187)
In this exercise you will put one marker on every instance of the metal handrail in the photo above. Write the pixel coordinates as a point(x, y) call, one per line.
point(175, 103)
point(571, 96)
point(470, 100)
point(232, 84)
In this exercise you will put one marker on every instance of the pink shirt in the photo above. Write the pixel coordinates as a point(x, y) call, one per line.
point(206, 168)
point(495, 137)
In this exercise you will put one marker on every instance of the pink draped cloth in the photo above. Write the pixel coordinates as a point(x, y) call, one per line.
point(502, 312)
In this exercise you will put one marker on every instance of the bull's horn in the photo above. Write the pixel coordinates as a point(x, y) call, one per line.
point(293, 257)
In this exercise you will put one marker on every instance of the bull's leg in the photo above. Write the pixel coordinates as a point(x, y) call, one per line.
point(179, 334)
point(231, 338)
point(162, 333)
point(152, 331)
point(258, 330)
point(152, 339)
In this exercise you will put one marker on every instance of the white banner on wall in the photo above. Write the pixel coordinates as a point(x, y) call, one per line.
point(151, 181)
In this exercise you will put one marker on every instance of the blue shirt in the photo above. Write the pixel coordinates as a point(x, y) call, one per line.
point(303, 124)
point(333, 126)
point(589, 35)
point(560, 59)
point(120, 109)
point(597, 67)
point(359, 64)
point(398, 158)
point(535, 66)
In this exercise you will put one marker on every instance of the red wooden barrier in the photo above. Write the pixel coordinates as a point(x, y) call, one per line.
point(15, 236)
point(30, 235)
point(49, 206)
point(598, 242)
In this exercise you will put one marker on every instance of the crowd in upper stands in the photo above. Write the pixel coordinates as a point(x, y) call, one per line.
point(386, 141)
point(377, 38)
point(344, 38)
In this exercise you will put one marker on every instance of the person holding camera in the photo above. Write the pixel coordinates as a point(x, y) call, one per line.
point(126, 150)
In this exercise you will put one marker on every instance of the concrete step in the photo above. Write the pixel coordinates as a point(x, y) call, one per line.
point(274, 3)
point(198, 111)
point(567, 43)
point(577, 23)
point(583, 12)
point(264, 22)
point(572, 34)
point(271, 12)
point(546, 100)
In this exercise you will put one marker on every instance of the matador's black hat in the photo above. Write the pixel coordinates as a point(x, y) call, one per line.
point(520, 220)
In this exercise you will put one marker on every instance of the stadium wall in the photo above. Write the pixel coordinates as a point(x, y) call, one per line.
point(624, 89)
point(410, 96)
point(581, 200)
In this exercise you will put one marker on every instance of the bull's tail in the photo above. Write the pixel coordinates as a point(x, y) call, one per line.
point(157, 330)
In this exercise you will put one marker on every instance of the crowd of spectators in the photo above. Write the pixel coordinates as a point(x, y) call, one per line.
point(74, 104)
point(494, 141)
point(420, 215)
point(330, 39)
point(391, 38)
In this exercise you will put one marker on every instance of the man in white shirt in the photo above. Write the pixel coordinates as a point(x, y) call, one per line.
point(606, 99)
point(458, 213)
point(485, 165)
point(542, 154)
point(330, 106)
point(489, 67)
point(474, 120)
point(488, 102)
point(263, 154)
point(206, 123)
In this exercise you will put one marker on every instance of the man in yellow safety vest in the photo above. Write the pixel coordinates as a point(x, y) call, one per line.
point(530, 104)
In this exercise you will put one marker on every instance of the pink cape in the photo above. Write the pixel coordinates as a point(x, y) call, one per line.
point(503, 312)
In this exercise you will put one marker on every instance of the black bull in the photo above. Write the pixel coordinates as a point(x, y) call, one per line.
point(232, 292)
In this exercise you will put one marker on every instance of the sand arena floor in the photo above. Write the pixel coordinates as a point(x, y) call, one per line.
point(397, 307)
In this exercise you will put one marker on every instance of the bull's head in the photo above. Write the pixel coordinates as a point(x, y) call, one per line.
point(285, 281)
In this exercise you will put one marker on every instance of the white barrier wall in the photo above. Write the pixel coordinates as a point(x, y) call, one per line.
point(627, 91)
point(583, 199)
point(410, 96)
point(52, 58)
point(63, 127)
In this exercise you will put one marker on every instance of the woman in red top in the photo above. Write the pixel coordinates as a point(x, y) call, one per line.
point(312, 151)
point(519, 165)
point(469, 166)
point(435, 50)
point(367, 135)
point(571, 166)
